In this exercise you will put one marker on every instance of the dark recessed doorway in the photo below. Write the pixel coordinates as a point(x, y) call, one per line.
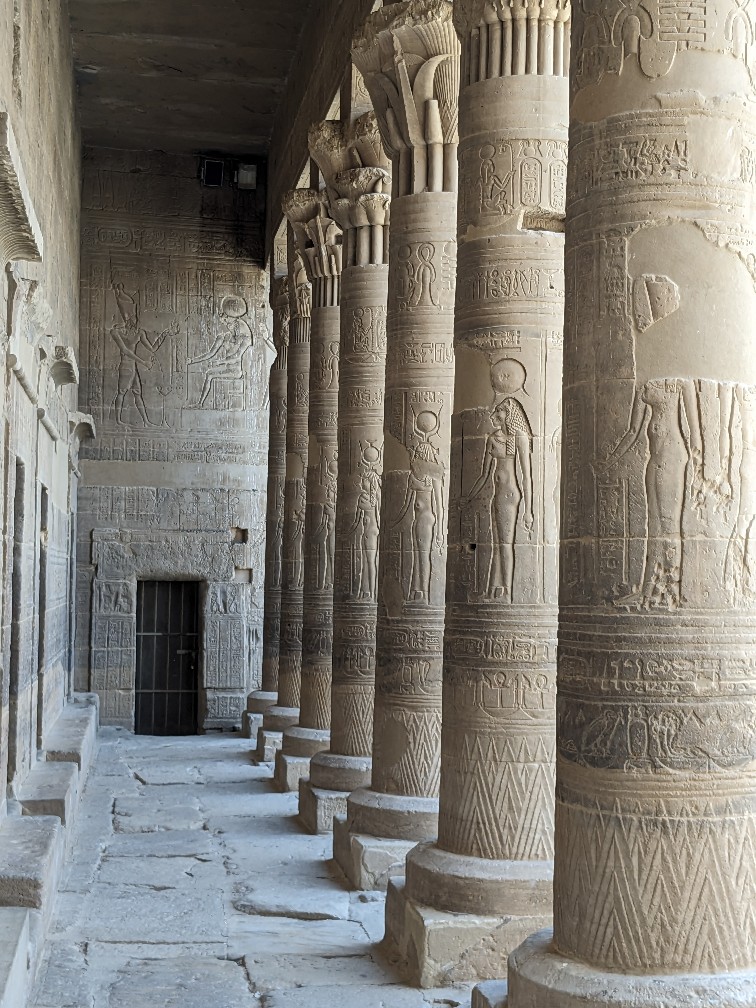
point(167, 658)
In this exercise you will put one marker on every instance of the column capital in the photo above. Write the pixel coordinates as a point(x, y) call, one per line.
point(408, 54)
point(317, 235)
point(363, 197)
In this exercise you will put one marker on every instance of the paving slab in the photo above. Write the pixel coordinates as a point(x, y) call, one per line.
point(184, 982)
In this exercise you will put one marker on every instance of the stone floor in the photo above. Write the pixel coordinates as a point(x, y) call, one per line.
point(192, 884)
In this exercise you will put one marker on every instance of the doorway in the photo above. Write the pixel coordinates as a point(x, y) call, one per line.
point(167, 658)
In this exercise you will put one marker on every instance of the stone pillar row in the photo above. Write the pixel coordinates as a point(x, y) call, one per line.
point(318, 240)
point(653, 835)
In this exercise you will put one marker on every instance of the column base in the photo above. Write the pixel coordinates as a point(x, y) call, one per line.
point(299, 741)
point(317, 806)
point(490, 994)
point(268, 744)
point(280, 718)
point(368, 861)
point(251, 724)
point(260, 701)
point(290, 770)
point(458, 884)
point(395, 817)
point(541, 978)
point(437, 948)
point(334, 772)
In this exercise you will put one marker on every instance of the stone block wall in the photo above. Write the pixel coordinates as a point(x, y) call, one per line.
point(176, 353)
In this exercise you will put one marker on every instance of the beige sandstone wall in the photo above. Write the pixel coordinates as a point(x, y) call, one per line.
point(174, 485)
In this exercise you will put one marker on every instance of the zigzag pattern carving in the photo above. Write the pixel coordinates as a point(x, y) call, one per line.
point(641, 893)
point(507, 805)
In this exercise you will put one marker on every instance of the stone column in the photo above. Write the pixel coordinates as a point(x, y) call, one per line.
point(259, 701)
point(655, 874)
point(286, 710)
point(319, 242)
point(486, 883)
point(360, 199)
point(409, 57)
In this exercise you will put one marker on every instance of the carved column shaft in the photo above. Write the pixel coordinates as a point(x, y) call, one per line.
point(275, 501)
point(286, 711)
point(655, 879)
point(409, 56)
point(320, 243)
point(497, 759)
point(360, 200)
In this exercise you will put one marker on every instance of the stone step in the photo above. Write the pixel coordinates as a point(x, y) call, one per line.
point(31, 862)
point(14, 957)
point(73, 737)
point(51, 789)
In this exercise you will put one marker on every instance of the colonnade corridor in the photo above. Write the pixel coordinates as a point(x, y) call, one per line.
point(191, 883)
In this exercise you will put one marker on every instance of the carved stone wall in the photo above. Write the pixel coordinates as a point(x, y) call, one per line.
point(175, 359)
point(39, 235)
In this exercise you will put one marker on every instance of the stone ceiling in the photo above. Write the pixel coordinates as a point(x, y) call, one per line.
point(183, 75)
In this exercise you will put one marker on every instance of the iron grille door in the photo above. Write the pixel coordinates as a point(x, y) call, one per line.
point(167, 658)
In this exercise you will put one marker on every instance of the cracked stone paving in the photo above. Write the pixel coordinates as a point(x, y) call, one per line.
point(191, 883)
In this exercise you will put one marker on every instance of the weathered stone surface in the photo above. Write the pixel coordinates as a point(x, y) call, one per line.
point(31, 860)
point(368, 861)
point(432, 948)
point(73, 737)
point(187, 981)
point(14, 945)
point(268, 744)
point(290, 770)
point(317, 807)
point(490, 994)
point(51, 789)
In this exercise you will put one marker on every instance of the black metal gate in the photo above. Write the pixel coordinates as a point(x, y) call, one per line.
point(167, 658)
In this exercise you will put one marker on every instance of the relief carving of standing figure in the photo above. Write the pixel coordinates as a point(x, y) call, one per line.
point(667, 411)
point(507, 463)
point(424, 499)
point(366, 527)
point(324, 530)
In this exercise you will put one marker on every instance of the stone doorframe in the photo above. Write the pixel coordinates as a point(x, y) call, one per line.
point(121, 559)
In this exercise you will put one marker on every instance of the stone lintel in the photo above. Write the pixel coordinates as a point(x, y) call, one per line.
point(435, 948)
point(290, 770)
point(317, 807)
point(268, 744)
point(368, 861)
